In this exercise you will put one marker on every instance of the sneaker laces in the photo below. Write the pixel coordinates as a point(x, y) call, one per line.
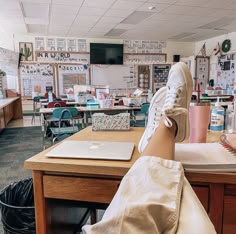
point(170, 108)
point(155, 122)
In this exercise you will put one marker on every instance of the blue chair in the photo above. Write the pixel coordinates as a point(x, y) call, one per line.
point(135, 122)
point(36, 107)
point(67, 125)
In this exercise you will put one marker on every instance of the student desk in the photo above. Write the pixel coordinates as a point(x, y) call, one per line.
point(88, 112)
point(98, 180)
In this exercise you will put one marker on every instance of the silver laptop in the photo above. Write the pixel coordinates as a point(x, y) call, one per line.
point(93, 150)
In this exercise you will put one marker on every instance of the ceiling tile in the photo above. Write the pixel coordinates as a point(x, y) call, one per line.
point(36, 1)
point(199, 3)
point(64, 9)
point(120, 4)
point(107, 19)
point(92, 11)
point(98, 3)
point(37, 28)
point(163, 1)
point(178, 9)
point(125, 26)
point(94, 34)
point(118, 13)
point(86, 19)
point(68, 2)
point(157, 7)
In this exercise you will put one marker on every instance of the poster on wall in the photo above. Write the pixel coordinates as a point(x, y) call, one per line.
point(34, 78)
point(51, 44)
point(62, 57)
point(61, 44)
point(70, 75)
point(26, 51)
point(226, 71)
point(202, 71)
point(143, 46)
point(71, 45)
point(82, 46)
point(39, 43)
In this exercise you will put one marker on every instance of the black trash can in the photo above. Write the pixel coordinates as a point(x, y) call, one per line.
point(17, 208)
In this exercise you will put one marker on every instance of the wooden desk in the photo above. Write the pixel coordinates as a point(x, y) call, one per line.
point(10, 108)
point(98, 180)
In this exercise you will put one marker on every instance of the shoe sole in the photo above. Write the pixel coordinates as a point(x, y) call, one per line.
point(189, 87)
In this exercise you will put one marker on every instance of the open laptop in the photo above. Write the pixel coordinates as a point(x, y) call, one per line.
point(93, 150)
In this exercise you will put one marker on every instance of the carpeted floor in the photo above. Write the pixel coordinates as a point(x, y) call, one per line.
point(17, 145)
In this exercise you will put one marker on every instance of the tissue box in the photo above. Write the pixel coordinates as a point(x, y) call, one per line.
point(132, 101)
point(101, 121)
point(106, 103)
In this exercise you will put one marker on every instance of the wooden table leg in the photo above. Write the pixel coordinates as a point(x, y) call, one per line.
point(39, 202)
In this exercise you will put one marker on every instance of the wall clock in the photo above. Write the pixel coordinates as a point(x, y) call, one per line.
point(226, 45)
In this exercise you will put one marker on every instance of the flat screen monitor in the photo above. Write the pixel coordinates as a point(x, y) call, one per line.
point(101, 53)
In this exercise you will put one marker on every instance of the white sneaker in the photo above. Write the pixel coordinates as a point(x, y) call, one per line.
point(154, 115)
point(178, 97)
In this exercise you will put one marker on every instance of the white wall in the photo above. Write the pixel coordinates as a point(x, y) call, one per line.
point(184, 49)
point(6, 40)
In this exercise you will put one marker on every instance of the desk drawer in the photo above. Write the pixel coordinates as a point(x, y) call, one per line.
point(79, 188)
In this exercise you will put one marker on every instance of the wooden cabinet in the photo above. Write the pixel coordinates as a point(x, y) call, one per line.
point(10, 108)
point(229, 214)
point(2, 120)
point(219, 201)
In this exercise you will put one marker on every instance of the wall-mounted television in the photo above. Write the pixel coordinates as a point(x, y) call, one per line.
point(102, 53)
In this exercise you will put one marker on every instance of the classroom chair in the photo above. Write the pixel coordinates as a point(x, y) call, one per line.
point(67, 118)
point(135, 122)
point(36, 108)
point(56, 104)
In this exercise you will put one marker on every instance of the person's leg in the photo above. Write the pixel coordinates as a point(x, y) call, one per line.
point(162, 142)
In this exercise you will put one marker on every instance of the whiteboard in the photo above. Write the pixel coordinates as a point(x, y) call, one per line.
point(115, 76)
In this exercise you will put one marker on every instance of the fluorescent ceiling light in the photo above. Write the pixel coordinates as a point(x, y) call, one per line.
point(136, 17)
point(35, 10)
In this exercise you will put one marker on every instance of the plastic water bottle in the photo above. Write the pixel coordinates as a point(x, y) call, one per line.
point(50, 97)
point(217, 117)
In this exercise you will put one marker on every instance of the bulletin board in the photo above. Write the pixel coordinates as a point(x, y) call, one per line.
point(70, 75)
point(9, 61)
point(35, 78)
point(202, 71)
point(226, 70)
point(160, 75)
point(115, 76)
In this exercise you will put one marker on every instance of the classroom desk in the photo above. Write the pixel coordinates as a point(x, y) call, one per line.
point(88, 112)
point(10, 108)
point(97, 181)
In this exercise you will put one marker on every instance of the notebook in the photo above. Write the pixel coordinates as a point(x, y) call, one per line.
point(206, 157)
point(93, 150)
